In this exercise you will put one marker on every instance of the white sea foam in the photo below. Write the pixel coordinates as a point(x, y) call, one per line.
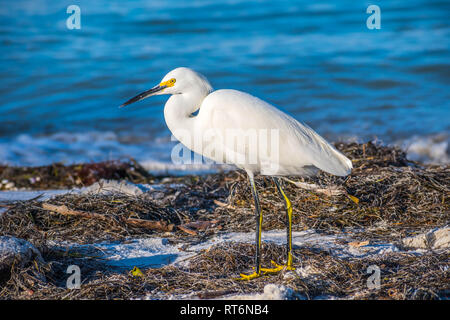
point(69, 148)
point(429, 149)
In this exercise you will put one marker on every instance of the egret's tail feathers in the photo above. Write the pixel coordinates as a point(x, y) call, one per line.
point(325, 156)
point(333, 161)
point(338, 164)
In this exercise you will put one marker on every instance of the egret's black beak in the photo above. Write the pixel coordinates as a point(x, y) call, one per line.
point(144, 95)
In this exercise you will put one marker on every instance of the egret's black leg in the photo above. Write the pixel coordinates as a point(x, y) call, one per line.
point(259, 219)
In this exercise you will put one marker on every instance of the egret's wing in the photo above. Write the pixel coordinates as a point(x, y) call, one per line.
point(323, 155)
point(299, 145)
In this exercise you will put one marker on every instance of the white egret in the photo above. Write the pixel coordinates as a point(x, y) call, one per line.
point(294, 150)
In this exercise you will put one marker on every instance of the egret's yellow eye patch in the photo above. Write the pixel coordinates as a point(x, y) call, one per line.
point(168, 83)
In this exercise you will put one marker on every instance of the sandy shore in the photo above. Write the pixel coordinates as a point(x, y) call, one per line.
point(191, 236)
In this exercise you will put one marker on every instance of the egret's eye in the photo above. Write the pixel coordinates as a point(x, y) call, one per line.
point(168, 83)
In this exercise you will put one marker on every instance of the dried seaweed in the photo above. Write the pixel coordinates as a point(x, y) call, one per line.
point(59, 175)
point(396, 198)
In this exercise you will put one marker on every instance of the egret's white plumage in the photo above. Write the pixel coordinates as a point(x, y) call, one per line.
point(299, 149)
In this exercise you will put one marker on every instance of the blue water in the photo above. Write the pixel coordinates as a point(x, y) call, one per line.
point(60, 89)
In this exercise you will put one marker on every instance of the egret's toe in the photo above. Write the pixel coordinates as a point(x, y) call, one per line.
point(254, 275)
point(277, 268)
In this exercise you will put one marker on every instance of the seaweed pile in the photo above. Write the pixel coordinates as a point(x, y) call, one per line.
point(386, 198)
point(58, 175)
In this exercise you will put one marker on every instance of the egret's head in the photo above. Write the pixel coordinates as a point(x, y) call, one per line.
point(178, 81)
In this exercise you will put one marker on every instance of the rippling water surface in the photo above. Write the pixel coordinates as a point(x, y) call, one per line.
point(60, 89)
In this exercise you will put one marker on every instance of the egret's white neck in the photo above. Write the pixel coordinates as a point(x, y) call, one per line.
point(178, 114)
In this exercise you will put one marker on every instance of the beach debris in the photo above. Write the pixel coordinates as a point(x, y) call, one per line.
point(213, 294)
point(33, 180)
point(437, 238)
point(271, 292)
point(147, 224)
point(192, 228)
point(399, 199)
point(113, 187)
point(187, 230)
point(5, 184)
point(137, 272)
point(223, 204)
point(353, 198)
point(4, 208)
point(16, 251)
point(331, 190)
point(358, 244)
point(58, 175)
point(67, 212)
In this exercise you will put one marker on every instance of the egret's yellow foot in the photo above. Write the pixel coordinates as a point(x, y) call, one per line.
point(278, 267)
point(250, 276)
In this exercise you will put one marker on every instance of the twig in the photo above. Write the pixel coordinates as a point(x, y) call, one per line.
point(330, 191)
point(147, 224)
point(214, 294)
point(68, 212)
point(187, 230)
point(192, 227)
